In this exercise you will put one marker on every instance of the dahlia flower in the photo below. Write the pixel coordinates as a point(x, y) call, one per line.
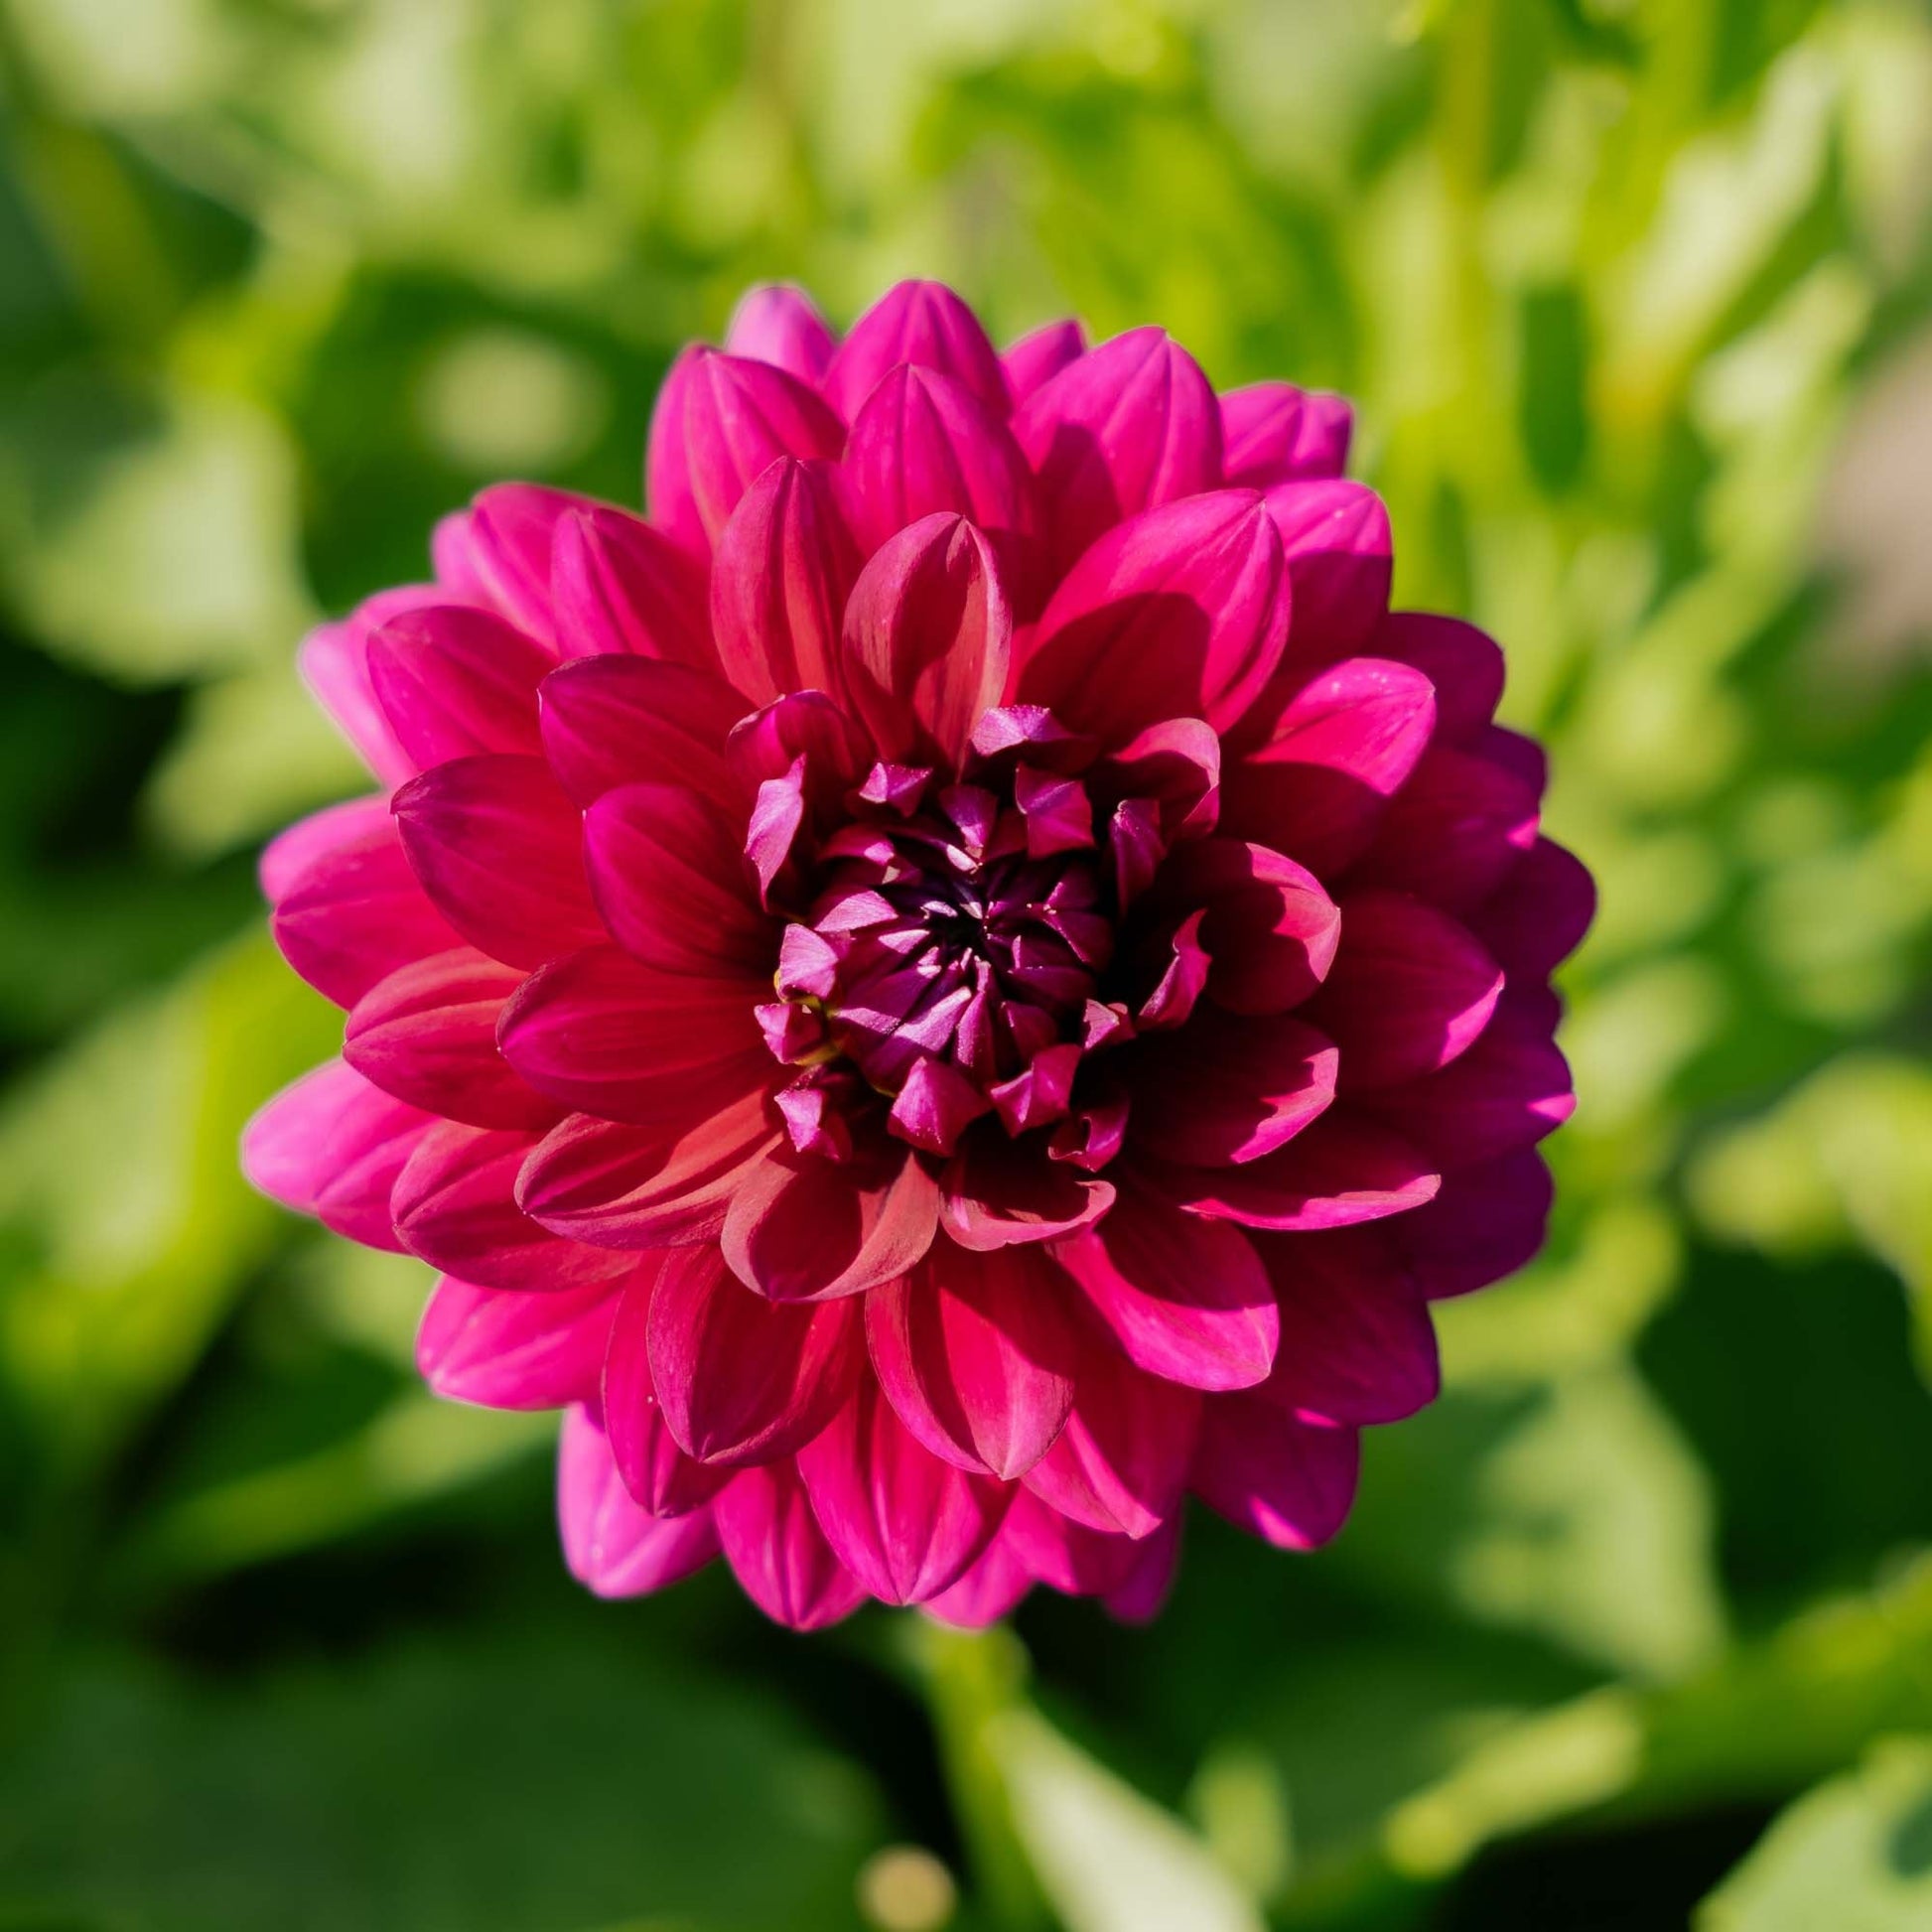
point(961, 981)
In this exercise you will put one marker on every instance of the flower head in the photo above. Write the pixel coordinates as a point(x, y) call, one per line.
point(961, 982)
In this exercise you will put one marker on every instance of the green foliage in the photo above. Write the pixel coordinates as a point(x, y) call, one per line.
point(1633, 296)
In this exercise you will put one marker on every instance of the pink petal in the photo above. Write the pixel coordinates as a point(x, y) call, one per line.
point(612, 1546)
point(1341, 1170)
point(659, 1475)
point(618, 1186)
point(1340, 556)
point(1065, 1555)
point(1286, 1478)
point(778, 322)
point(996, 1192)
point(905, 1523)
point(801, 1228)
point(1453, 833)
point(427, 1034)
point(498, 848)
point(291, 851)
point(926, 640)
point(739, 417)
point(1036, 358)
point(455, 1208)
point(332, 1146)
point(1409, 991)
point(742, 1379)
point(622, 588)
point(502, 1349)
point(1488, 1220)
point(991, 1589)
point(1269, 928)
point(668, 495)
point(977, 1354)
point(1180, 613)
point(506, 541)
point(355, 913)
point(1140, 1595)
point(1128, 427)
point(1339, 748)
point(613, 720)
point(606, 1034)
point(785, 566)
point(926, 325)
point(454, 681)
point(1537, 917)
point(1273, 433)
point(778, 1553)
point(1187, 1300)
point(335, 664)
point(1464, 664)
point(1228, 1089)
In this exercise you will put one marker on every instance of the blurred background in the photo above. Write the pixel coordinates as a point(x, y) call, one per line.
point(1634, 1629)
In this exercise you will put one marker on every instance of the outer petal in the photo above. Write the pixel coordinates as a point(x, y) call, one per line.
point(614, 720)
point(428, 1034)
point(1270, 930)
point(742, 1379)
point(1465, 665)
point(739, 417)
point(619, 587)
point(905, 1523)
point(978, 1356)
point(1225, 1090)
point(1539, 915)
point(778, 1553)
point(657, 1473)
point(498, 848)
point(501, 545)
point(1065, 1555)
point(612, 1546)
point(334, 662)
point(989, 1590)
point(454, 681)
point(1139, 1596)
point(1286, 1478)
point(924, 323)
point(502, 1349)
point(1489, 1220)
point(292, 851)
point(1034, 360)
point(1341, 1170)
point(1273, 433)
point(1180, 613)
point(1187, 1300)
point(1340, 556)
point(668, 495)
point(778, 323)
point(1454, 831)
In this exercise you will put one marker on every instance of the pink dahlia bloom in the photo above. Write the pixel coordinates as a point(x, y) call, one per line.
point(959, 983)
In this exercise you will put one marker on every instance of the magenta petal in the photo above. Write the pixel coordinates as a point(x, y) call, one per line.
point(1464, 664)
point(925, 642)
point(1227, 1089)
point(1339, 749)
point(1036, 358)
point(498, 848)
point(667, 467)
point(1537, 917)
point(996, 1192)
point(801, 1228)
point(1453, 833)
point(1357, 1343)
point(924, 324)
point(506, 540)
point(332, 1146)
point(905, 1523)
point(621, 587)
point(1341, 1169)
point(1187, 1300)
point(742, 1379)
point(1488, 1220)
point(977, 1354)
point(334, 662)
point(502, 1349)
point(1270, 930)
point(778, 1553)
point(603, 1033)
point(673, 886)
point(1180, 613)
point(454, 681)
point(428, 1034)
point(1410, 990)
point(1128, 427)
point(612, 1546)
point(614, 720)
point(778, 323)
point(740, 418)
point(659, 1475)
point(784, 568)
point(1121, 1463)
point(1065, 1555)
point(1340, 557)
point(1273, 432)
point(1140, 1595)
point(292, 851)
point(618, 1186)
point(1286, 1478)
point(989, 1590)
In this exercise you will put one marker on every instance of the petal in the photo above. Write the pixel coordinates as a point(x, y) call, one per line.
point(1341, 1170)
point(1140, 1595)
point(905, 1523)
point(1187, 1300)
point(621, 587)
point(1340, 557)
point(1488, 1220)
point(612, 1546)
point(1180, 613)
point(613, 720)
point(659, 1475)
point(1065, 1555)
point(1270, 930)
point(427, 1034)
point(801, 1228)
point(1273, 432)
point(502, 1350)
point(1036, 359)
point(673, 886)
point(1537, 917)
point(292, 851)
point(778, 323)
point(355, 913)
point(785, 566)
point(1453, 833)
point(1409, 991)
point(618, 1186)
point(996, 1192)
point(778, 1553)
point(334, 662)
point(454, 681)
point(989, 1590)
point(739, 417)
point(977, 1354)
point(505, 539)
point(1464, 664)
point(668, 495)
point(332, 1146)
point(740, 1379)
point(1339, 748)
point(1227, 1089)
point(925, 642)
point(926, 325)
point(498, 848)
point(1286, 1478)
point(1128, 427)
